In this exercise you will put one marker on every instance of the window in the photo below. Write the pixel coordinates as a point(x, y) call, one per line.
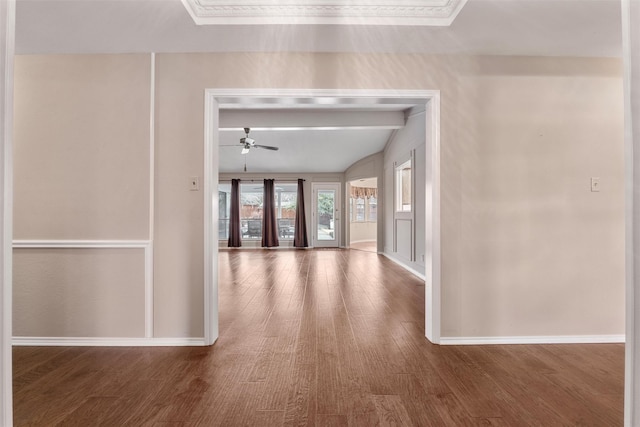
point(403, 187)
point(286, 200)
point(373, 209)
point(360, 209)
point(224, 210)
point(251, 209)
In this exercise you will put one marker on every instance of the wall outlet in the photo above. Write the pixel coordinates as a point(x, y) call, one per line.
point(194, 183)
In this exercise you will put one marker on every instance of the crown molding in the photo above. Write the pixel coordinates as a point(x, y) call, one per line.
point(337, 12)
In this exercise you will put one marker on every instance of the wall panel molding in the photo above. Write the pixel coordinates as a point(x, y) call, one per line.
point(146, 245)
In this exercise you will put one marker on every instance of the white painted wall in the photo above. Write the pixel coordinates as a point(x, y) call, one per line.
point(363, 231)
point(404, 233)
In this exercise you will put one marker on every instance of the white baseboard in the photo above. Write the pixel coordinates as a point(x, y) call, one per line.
point(107, 342)
point(363, 241)
point(405, 266)
point(554, 339)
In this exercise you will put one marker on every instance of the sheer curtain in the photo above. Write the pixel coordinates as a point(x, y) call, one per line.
point(269, 220)
point(300, 236)
point(235, 233)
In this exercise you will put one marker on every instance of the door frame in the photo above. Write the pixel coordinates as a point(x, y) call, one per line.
point(337, 212)
point(215, 99)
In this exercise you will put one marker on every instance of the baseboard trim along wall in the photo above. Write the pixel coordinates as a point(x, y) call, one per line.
point(558, 339)
point(405, 266)
point(106, 342)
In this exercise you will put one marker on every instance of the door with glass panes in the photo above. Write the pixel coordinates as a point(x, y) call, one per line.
point(326, 215)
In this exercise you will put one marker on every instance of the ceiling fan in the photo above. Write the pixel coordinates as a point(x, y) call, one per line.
point(249, 143)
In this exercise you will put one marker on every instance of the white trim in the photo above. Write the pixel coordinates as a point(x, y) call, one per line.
point(433, 283)
point(106, 342)
point(211, 167)
point(254, 98)
point(148, 291)
point(405, 266)
point(149, 270)
point(8, 12)
point(97, 244)
point(152, 146)
point(631, 382)
point(553, 339)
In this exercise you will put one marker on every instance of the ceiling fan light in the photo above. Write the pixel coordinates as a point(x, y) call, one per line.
point(245, 150)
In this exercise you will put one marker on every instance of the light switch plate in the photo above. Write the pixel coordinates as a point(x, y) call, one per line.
point(194, 183)
point(595, 184)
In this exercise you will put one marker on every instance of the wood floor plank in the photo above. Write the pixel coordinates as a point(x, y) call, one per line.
point(319, 338)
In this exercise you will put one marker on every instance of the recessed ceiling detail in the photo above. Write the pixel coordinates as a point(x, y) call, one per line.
point(335, 12)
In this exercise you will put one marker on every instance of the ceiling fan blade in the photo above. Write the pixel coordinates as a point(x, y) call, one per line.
point(267, 147)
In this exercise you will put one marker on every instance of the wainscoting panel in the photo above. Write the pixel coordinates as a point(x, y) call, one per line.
point(404, 239)
point(79, 291)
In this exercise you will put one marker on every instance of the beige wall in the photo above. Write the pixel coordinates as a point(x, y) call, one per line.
point(541, 254)
point(79, 292)
point(81, 172)
point(83, 124)
point(527, 249)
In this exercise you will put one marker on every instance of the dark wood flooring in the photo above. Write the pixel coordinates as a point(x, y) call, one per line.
point(320, 338)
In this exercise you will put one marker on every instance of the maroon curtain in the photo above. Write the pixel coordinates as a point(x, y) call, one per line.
point(235, 233)
point(300, 236)
point(269, 220)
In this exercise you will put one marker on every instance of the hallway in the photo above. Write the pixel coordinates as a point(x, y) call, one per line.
point(325, 338)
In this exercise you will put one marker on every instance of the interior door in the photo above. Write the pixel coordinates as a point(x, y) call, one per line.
point(326, 215)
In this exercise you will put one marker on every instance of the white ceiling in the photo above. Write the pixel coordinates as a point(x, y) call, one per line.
point(309, 151)
point(500, 27)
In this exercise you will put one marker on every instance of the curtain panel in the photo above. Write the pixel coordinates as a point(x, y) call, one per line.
point(269, 220)
point(363, 192)
point(300, 236)
point(235, 232)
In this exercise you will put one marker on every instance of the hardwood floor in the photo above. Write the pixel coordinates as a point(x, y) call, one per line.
point(320, 338)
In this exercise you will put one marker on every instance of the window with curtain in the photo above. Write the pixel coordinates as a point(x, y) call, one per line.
point(251, 209)
point(286, 198)
point(251, 205)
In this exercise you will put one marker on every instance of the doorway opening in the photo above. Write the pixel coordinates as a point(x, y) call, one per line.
point(363, 214)
point(353, 100)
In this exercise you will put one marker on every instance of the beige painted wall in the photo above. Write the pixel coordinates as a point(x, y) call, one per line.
point(527, 249)
point(82, 147)
point(541, 254)
point(79, 292)
point(81, 172)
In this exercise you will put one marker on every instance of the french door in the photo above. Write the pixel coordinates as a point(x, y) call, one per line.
point(326, 215)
